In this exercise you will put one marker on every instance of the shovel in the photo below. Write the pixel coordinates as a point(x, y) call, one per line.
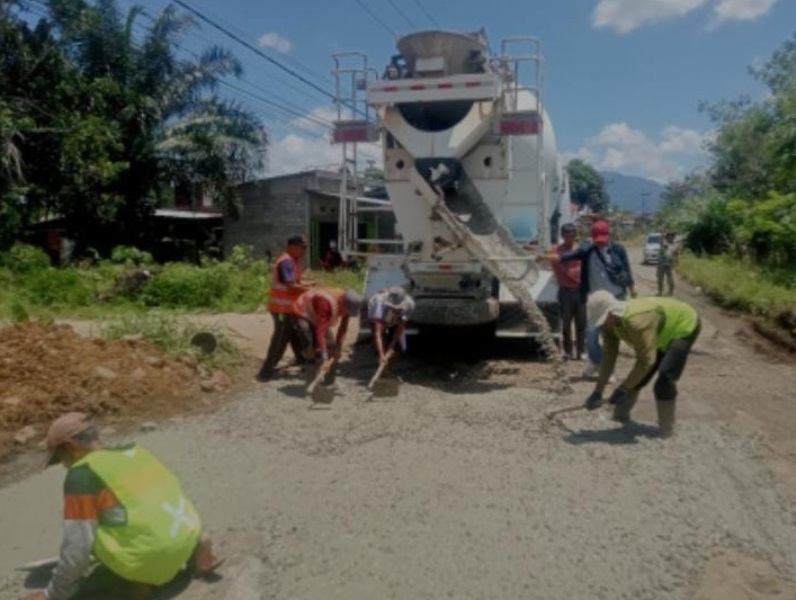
point(323, 394)
point(567, 409)
point(383, 387)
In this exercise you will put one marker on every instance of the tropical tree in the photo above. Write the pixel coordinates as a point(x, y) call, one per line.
point(587, 186)
point(120, 120)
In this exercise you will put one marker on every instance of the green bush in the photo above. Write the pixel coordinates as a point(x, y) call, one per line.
point(713, 231)
point(63, 287)
point(22, 258)
point(186, 286)
point(128, 255)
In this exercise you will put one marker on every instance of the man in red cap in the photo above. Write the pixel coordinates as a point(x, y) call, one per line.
point(122, 506)
point(603, 266)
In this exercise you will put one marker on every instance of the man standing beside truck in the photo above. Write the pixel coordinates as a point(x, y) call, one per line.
point(604, 266)
point(286, 286)
point(571, 303)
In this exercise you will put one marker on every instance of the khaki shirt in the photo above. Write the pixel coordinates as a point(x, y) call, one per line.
point(640, 332)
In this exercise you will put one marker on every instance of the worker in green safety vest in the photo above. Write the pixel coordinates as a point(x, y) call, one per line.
point(661, 332)
point(124, 507)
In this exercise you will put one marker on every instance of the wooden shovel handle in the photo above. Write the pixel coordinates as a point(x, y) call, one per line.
point(322, 371)
point(380, 370)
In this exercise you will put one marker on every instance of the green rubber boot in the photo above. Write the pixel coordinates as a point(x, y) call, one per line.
point(666, 410)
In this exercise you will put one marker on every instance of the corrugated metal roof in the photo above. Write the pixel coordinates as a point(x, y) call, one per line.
point(186, 214)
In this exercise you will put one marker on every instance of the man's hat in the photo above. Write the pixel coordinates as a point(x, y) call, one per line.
point(297, 240)
point(62, 430)
point(600, 305)
point(395, 297)
point(600, 232)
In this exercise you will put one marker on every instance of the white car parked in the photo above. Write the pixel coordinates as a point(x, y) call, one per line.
point(652, 248)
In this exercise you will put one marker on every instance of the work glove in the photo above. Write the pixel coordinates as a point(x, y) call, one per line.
point(619, 397)
point(594, 400)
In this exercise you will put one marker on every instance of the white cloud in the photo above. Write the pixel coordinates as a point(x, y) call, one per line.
point(741, 10)
point(317, 120)
point(619, 147)
point(277, 42)
point(624, 16)
point(627, 15)
point(311, 146)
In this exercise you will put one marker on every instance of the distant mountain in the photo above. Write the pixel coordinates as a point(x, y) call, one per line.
point(631, 193)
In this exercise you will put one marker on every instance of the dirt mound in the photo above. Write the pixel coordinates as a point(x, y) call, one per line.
point(46, 370)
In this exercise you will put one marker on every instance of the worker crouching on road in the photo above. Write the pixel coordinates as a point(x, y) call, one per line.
point(318, 311)
point(125, 508)
point(388, 312)
point(661, 332)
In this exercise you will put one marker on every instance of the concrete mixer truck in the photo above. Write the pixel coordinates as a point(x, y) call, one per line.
point(471, 173)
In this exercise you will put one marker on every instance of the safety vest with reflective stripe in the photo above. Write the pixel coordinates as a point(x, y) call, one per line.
point(162, 527)
point(302, 307)
point(281, 297)
point(679, 318)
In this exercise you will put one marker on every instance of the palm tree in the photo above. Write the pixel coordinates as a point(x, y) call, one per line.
point(171, 126)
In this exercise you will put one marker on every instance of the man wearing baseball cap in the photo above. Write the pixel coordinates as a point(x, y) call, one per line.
point(604, 266)
point(661, 332)
point(124, 507)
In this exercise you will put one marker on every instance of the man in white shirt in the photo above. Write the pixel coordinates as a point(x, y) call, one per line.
point(388, 312)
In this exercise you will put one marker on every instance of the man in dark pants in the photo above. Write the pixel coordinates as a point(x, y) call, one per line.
point(661, 332)
point(286, 286)
point(604, 266)
point(571, 303)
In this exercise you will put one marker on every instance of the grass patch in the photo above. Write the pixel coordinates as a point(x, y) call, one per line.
point(173, 337)
point(738, 285)
point(124, 288)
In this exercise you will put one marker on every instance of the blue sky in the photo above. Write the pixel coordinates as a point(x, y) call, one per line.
point(623, 77)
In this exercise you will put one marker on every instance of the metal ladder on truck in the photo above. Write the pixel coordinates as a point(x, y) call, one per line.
point(354, 125)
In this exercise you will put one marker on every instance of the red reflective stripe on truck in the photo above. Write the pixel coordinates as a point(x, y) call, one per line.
point(390, 88)
point(445, 86)
point(473, 84)
point(417, 87)
point(445, 267)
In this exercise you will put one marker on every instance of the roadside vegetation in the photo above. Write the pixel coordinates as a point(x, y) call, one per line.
point(738, 217)
point(135, 298)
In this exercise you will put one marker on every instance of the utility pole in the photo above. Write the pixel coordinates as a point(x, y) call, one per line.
point(644, 196)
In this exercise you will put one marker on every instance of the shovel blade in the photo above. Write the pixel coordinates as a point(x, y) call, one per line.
point(386, 387)
point(323, 394)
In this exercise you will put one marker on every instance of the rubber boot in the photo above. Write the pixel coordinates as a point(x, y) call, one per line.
point(666, 410)
point(622, 411)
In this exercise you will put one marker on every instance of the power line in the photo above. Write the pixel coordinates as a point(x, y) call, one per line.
point(278, 106)
point(376, 18)
point(403, 16)
point(289, 59)
point(281, 103)
point(429, 16)
point(257, 51)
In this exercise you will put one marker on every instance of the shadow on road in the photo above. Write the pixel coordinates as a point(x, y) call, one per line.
point(102, 584)
point(620, 436)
